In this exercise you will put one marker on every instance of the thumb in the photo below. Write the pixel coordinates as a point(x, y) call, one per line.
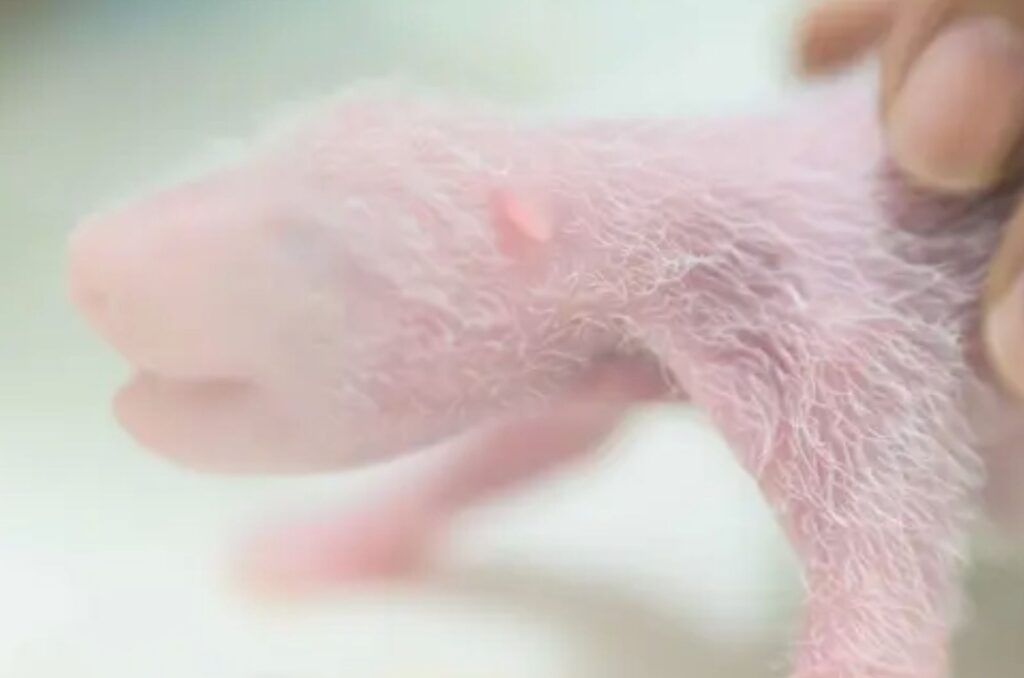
point(1003, 328)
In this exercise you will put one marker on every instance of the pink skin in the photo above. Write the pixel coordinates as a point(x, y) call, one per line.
point(391, 536)
point(399, 271)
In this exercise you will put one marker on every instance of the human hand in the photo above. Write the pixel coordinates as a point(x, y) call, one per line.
point(952, 105)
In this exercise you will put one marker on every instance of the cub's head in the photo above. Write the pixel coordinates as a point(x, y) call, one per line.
point(391, 272)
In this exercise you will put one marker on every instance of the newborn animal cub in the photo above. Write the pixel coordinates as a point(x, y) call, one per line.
point(398, 270)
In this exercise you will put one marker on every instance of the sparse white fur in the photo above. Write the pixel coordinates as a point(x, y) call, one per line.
point(781, 275)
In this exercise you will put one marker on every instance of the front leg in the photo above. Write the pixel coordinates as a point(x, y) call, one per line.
point(394, 532)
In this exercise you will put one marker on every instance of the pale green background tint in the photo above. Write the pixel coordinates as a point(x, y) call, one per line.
point(658, 560)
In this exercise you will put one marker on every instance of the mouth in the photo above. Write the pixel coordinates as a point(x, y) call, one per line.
point(148, 392)
point(145, 382)
point(210, 423)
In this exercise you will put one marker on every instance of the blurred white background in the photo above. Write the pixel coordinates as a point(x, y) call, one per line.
point(656, 559)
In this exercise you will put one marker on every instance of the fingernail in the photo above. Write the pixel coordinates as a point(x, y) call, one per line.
point(960, 112)
point(1004, 337)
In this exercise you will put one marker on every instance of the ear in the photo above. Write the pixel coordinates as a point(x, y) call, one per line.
point(522, 220)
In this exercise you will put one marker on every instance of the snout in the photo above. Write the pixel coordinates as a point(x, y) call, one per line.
point(143, 295)
point(156, 281)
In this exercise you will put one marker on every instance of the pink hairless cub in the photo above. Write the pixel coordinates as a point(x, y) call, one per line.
point(399, 271)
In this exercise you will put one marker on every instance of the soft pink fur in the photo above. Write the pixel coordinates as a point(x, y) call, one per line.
point(399, 270)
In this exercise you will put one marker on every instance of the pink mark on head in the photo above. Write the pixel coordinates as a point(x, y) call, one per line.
point(521, 222)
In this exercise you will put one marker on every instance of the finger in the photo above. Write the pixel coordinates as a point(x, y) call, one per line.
point(834, 33)
point(914, 26)
point(1004, 308)
point(954, 111)
point(917, 22)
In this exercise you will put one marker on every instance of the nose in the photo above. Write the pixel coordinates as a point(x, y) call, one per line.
point(173, 281)
point(143, 285)
point(118, 281)
point(91, 270)
point(98, 271)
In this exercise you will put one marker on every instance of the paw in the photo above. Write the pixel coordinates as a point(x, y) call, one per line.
point(328, 552)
